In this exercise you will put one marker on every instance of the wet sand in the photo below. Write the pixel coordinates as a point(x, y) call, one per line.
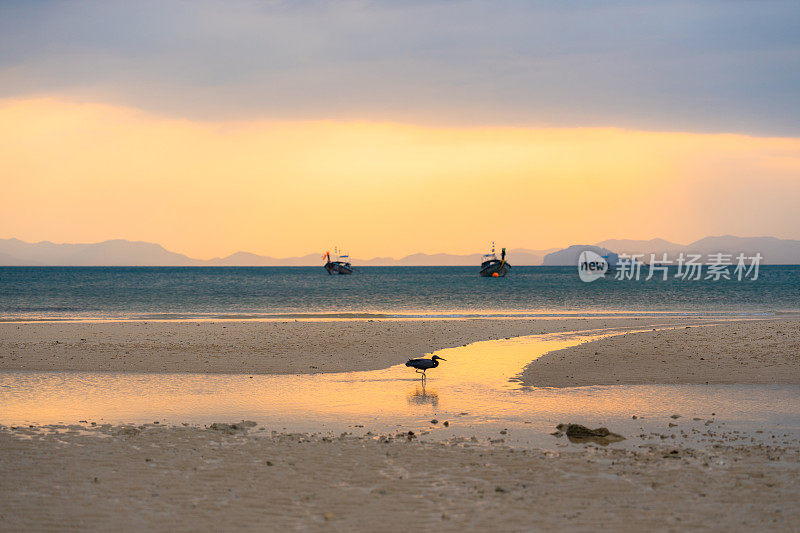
point(261, 347)
point(757, 352)
point(192, 478)
point(688, 472)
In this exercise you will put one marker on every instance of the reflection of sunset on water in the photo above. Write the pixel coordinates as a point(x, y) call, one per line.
point(423, 395)
point(478, 372)
point(473, 387)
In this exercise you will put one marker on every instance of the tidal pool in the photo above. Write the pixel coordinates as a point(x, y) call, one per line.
point(475, 391)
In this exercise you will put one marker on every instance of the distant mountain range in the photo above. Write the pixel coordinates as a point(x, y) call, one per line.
point(774, 251)
point(14, 252)
point(109, 253)
point(569, 256)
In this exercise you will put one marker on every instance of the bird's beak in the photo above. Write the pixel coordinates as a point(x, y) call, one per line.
point(442, 359)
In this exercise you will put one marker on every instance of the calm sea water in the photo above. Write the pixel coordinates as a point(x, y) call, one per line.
point(272, 292)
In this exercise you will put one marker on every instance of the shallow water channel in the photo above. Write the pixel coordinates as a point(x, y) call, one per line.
point(475, 390)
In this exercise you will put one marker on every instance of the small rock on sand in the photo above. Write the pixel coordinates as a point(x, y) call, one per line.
point(578, 433)
point(232, 428)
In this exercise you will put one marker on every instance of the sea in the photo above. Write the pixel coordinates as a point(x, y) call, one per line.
point(181, 293)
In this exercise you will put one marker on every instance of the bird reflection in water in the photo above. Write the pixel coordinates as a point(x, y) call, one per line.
point(421, 396)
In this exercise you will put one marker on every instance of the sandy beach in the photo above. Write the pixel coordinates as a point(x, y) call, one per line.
point(688, 472)
point(765, 352)
point(191, 478)
point(269, 347)
point(691, 351)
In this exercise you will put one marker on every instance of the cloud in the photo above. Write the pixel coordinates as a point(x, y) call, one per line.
point(678, 65)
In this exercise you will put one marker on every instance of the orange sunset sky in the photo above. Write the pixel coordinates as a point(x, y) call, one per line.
point(390, 148)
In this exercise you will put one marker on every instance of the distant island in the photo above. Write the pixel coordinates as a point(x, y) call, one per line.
point(118, 252)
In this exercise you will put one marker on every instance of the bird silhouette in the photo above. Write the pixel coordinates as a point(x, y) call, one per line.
point(421, 365)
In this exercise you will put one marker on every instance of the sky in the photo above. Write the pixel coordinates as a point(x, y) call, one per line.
point(389, 128)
